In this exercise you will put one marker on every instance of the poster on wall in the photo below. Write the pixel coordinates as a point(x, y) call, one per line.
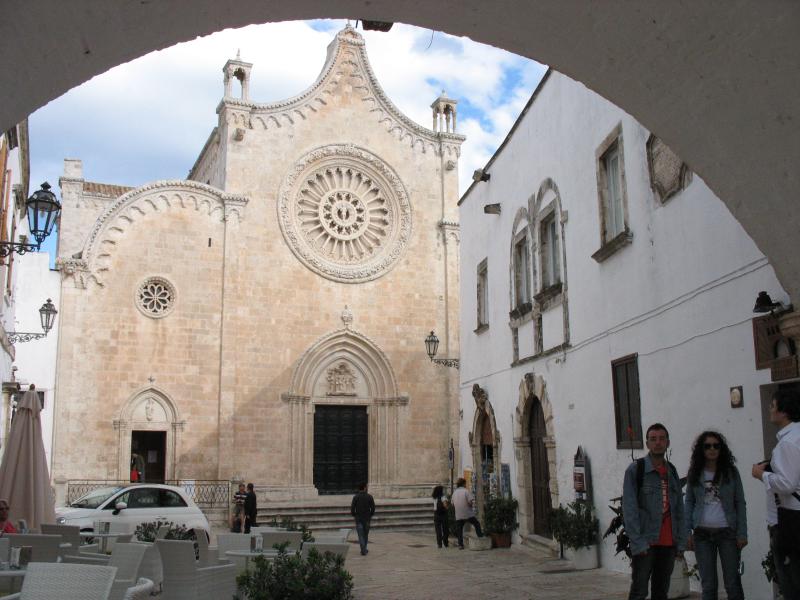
point(505, 480)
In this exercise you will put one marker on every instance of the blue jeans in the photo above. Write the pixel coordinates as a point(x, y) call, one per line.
point(654, 568)
point(708, 543)
point(788, 572)
point(362, 528)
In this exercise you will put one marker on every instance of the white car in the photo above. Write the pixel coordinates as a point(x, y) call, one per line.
point(128, 506)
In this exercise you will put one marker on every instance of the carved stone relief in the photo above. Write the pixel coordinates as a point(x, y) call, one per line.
point(341, 380)
point(668, 173)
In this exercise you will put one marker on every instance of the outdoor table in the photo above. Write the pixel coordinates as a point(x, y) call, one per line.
point(269, 554)
point(103, 537)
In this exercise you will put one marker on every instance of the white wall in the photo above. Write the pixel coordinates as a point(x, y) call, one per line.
point(36, 360)
point(680, 296)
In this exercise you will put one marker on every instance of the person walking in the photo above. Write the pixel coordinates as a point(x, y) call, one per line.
point(716, 514)
point(652, 510)
point(464, 505)
point(440, 519)
point(781, 478)
point(250, 508)
point(362, 508)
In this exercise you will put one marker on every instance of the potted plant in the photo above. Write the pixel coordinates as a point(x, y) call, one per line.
point(500, 515)
point(575, 527)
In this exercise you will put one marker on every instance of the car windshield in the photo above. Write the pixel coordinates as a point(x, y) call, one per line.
point(95, 498)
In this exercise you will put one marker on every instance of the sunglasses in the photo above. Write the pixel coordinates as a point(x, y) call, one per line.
point(716, 446)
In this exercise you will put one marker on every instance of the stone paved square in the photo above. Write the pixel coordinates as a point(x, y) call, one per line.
point(397, 568)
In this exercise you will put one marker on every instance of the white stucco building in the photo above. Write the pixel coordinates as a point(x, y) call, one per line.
point(604, 288)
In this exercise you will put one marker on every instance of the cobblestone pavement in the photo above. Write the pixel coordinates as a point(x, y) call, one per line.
point(404, 565)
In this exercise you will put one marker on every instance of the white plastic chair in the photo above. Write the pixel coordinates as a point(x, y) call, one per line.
point(321, 547)
point(141, 591)
point(184, 580)
point(45, 581)
point(44, 548)
point(295, 539)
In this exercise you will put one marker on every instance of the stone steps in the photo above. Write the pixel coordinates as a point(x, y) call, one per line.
point(333, 512)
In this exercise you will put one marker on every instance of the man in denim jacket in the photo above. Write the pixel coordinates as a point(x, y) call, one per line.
point(653, 514)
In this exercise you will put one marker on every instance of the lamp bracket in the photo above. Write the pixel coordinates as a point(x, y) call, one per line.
point(7, 248)
point(447, 362)
point(21, 337)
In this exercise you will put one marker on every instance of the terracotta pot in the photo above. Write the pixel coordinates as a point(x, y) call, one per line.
point(501, 540)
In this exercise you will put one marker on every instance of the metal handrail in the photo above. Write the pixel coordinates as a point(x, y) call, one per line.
point(206, 493)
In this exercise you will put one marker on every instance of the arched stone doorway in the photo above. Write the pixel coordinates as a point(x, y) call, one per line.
point(346, 376)
point(149, 417)
point(484, 441)
point(535, 452)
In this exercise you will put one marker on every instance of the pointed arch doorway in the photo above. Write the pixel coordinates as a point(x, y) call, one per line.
point(535, 451)
point(540, 470)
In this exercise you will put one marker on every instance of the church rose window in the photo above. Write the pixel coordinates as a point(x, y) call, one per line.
point(155, 297)
point(344, 213)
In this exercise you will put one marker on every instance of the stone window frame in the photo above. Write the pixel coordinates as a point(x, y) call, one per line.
point(628, 403)
point(482, 292)
point(162, 280)
point(611, 241)
point(521, 294)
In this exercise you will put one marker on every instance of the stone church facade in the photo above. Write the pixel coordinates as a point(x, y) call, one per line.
point(264, 319)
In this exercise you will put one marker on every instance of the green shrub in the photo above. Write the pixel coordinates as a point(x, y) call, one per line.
point(500, 515)
point(290, 577)
point(146, 532)
point(575, 525)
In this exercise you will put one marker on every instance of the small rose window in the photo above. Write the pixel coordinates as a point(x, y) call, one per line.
point(155, 297)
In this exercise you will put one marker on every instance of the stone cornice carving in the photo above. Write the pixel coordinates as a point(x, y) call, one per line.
point(156, 196)
point(364, 166)
point(77, 268)
point(347, 58)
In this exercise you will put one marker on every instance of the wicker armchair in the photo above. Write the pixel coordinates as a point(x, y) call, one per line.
point(184, 580)
point(232, 541)
point(45, 581)
point(127, 558)
point(44, 548)
point(69, 533)
point(295, 539)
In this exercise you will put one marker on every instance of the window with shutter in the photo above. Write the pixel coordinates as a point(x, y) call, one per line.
point(627, 405)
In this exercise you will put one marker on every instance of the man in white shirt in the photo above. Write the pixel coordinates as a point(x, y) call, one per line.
point(783, 482)
point(465, 511)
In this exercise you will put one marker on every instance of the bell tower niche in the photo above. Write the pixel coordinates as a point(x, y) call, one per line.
point(236, 68)
point(444, 114)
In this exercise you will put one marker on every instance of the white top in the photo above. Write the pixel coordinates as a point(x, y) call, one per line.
point(771, 515)
point(462, 502)
point(713, 514)
point(785, 462)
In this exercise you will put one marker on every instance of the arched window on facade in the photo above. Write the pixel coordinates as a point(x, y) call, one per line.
point(549, 306)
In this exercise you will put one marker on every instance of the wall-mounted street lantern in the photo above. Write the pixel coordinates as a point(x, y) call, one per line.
point(765, 304)
point(431, 346)
point(47, 314)
point(43, 209)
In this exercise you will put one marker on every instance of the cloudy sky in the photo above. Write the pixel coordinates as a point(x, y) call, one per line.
point(148, 119)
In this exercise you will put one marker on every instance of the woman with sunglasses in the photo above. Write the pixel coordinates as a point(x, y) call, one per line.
point(716, 514)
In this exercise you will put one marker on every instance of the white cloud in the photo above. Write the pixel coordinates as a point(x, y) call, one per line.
point(148, 119)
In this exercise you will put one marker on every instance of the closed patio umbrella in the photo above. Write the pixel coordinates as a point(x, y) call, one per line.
point(24, 477)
